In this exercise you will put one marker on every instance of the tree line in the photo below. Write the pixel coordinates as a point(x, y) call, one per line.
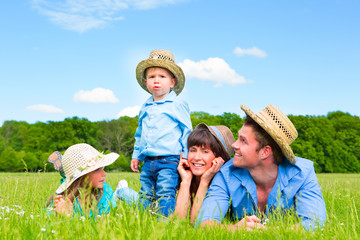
point(332, 142)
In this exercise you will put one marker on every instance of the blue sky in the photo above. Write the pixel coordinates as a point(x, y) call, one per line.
point(58, 57)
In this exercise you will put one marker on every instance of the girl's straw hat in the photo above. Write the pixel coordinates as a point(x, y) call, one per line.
point(278, 126)
point(80, 159)
point(223, 134)
point(164, 59)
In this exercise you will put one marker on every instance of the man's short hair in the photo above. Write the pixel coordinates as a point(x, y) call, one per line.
point(265, 139)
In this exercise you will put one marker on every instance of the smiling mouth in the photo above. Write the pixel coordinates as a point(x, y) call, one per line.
point(198, 165)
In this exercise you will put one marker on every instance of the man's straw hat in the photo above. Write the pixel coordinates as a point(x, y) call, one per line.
point(223, 135)
point(163, 59)
point(278, 126)
point(81, 159)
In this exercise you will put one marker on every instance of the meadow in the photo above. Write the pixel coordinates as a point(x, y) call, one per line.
point(23, 214)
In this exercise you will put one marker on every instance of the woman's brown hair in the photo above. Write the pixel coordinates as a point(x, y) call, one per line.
point(202, 137)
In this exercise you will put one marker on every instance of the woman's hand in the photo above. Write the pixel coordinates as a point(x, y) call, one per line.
point(62, 205)
point(210, 173)
point(184, 170)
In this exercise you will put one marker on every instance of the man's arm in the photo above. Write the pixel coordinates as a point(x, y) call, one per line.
point(216, 202)
point(310, 205)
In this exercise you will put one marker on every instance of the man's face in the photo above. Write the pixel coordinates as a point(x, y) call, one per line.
point(245, 147)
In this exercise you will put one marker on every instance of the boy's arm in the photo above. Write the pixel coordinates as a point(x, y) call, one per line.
point(136, 151)
point(183, 116)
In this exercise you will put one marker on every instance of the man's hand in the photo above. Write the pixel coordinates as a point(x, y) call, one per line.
point(249, 223)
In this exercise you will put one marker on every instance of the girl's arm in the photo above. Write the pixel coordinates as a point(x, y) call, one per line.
point(183, 197)
point(204, 186)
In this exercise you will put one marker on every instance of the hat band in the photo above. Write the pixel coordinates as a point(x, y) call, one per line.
point(219, 135)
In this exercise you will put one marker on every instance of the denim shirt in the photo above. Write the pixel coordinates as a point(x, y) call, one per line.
point(296, 187)
point(163, 128)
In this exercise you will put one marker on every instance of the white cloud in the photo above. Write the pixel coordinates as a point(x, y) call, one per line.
point(254, 51)
point(44, 108)
point(82, 15)
point(213, 69)
point(97, 95)
point(129, 111)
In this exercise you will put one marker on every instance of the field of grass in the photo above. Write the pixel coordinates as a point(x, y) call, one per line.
point(23, 216)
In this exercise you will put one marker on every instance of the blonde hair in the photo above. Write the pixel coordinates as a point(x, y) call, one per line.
point(74, 191)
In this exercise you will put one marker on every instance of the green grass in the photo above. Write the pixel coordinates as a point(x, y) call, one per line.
point(22, 215)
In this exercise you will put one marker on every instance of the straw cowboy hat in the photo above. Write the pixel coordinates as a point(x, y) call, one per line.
point(164, 59)
point(223, 135)
point(81, 159)
point(278, 126)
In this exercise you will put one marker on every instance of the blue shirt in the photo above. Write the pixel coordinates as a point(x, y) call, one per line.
point(296, 187)
point(104, 205)
point(163, 128)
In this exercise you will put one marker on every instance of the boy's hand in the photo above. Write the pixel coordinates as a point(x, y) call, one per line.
point(135, 164)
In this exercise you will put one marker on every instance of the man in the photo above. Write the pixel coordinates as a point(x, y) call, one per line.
point(264, 176)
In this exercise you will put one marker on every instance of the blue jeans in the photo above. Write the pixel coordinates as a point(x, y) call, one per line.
point(159, 180)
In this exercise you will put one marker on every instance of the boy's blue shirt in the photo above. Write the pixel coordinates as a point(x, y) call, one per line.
point(163, 128)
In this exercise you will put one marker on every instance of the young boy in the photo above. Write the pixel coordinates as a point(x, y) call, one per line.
point(164, 125)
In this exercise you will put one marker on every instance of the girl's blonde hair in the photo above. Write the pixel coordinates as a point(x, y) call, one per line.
point(74, 191)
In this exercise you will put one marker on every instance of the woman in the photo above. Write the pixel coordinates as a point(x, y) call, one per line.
point(209, 148)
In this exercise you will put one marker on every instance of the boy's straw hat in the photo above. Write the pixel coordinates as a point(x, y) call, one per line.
point(278, 126)
point(164, 59)
point(81, 159)
point(223, 134)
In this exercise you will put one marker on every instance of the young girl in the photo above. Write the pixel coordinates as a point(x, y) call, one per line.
point(209, 148)
point(83, 189)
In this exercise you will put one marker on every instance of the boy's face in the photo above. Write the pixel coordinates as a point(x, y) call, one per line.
point(159, 81)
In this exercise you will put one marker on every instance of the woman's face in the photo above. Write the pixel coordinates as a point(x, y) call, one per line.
point(200, 159)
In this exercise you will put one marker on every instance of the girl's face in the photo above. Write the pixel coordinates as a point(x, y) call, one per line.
point(97, 178)
point(200, 159)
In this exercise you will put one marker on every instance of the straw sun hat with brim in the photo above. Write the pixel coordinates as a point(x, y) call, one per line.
point(163, 59)
point(278, 126)
point(222, 134)
point(81, 159)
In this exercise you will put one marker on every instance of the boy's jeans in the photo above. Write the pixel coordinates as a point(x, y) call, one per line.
point(159, 180)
